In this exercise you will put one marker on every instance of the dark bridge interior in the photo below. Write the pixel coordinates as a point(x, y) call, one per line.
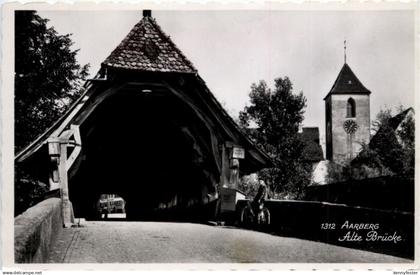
point(148, 148)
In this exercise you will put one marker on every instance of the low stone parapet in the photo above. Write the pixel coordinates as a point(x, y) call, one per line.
point(384, 231)
point(36, 229)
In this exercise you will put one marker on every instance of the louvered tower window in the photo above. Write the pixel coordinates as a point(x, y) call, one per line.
point(351, 108)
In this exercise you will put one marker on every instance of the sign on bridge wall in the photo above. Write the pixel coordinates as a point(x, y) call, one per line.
point(238, 153)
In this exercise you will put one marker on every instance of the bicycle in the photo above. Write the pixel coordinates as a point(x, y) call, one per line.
point(248, 216)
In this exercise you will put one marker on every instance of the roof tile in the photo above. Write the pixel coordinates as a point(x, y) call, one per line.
point(147, 48)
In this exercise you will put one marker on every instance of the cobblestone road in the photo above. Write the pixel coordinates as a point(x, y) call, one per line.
point(160, 242)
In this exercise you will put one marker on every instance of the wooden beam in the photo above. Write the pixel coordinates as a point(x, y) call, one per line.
point(78, 148)
point(96, 101)
point(41, 140)
point(67, 120)
point(209, 125)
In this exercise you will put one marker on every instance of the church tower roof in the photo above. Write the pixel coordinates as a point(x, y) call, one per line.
point(148, 48)
point(347, 83)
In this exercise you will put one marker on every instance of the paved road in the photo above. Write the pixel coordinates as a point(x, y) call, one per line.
point(160, 242)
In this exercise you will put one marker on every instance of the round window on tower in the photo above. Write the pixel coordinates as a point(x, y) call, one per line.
point(350, 126)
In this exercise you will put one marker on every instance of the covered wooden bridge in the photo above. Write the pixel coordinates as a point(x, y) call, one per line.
point(146, 128)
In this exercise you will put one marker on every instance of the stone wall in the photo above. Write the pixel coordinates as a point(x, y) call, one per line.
point(328, 222)
point(394, 193)
point(35, 231)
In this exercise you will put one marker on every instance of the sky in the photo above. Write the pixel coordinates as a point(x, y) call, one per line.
point(233, 49)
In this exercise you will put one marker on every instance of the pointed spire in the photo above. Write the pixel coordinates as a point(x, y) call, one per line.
point(345, 54)
point(147, 13)
point(347, 83)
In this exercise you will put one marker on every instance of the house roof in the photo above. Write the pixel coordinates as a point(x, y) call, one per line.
point(310, 134)
point(383, 132)
point(347, 83)
point(312, 151)
point(396, 120)
point(148, 48)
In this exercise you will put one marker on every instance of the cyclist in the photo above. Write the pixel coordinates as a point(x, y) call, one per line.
point(259, 199)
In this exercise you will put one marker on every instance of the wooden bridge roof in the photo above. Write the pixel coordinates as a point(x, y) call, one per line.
point(147, 50)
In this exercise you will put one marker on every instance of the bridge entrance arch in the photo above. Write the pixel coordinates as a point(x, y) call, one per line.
point(147, 147)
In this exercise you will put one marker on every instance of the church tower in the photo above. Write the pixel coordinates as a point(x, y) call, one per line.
point(347, 117)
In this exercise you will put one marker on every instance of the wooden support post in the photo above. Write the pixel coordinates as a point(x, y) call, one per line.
point(67, 209)
point(234, 174)
point(54, 152)
point(230, 171)
point(225, 169)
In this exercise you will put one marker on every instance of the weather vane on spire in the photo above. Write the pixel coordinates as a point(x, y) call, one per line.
point(345, 47)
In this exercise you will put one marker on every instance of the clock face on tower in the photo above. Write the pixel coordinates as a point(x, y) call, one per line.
point(350, 126)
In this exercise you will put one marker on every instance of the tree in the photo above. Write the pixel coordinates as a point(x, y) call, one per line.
point(277, 114)
point(406, 134)
point(47, 76)
point(47, 80)
point(382, 118)
point(249, 185)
